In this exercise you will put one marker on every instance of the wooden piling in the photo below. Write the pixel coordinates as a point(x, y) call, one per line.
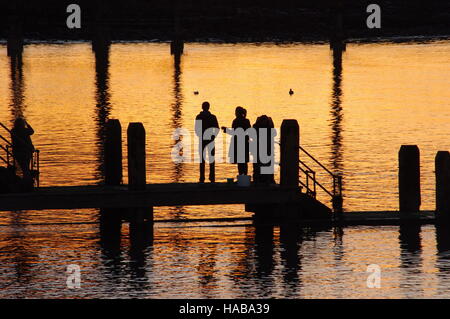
point(113, 153)
point(111, 218)
point(136, 156)
point(289, 153)
point(409, 179)
point(136, 171)
point(442, 171)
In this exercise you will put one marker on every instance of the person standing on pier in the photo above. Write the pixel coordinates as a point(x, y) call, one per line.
point(22, 146)
point(206, 128)
point(239, 146)
point(263, 146)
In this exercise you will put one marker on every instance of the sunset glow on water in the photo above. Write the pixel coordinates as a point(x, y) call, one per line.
point(354, 115)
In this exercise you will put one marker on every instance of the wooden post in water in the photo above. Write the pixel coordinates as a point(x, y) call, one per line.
point(136, 169)
point(442, 171)
point(111, 218)
point(409, 179)
point(289, 153)
point(289, 166)
point(136, 157)
point(113, 153)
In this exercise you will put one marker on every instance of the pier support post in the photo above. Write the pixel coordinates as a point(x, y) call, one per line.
point(113, 153)
point(111, 218)
point(289, 153)
point(136, 169)
point(442, 171)
point(136, 156)
point(289, 168)
point(409, 179)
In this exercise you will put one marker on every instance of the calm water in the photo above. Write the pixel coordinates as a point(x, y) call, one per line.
point(354, 113)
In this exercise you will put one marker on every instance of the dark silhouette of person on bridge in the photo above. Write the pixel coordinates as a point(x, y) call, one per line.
point(239, 146)
point(263, 146)
point(22, 146)
point(206, 128)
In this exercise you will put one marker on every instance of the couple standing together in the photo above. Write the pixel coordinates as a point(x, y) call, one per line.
point(207, 128)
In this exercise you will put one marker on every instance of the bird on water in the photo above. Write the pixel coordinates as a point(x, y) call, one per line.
point(291, 92)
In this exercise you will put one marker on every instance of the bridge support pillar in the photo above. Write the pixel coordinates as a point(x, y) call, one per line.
point(14, 46)
point(409, 179)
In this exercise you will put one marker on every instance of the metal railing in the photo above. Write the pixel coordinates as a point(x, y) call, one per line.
point(311, 183)
point(8, 157)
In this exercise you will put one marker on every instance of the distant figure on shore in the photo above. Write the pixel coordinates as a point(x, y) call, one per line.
point(22, 146)
point(264, 159)
point(239, 146)
point(206, 128)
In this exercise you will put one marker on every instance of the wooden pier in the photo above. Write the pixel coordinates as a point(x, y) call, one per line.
point(73, 197)
point(290, 200)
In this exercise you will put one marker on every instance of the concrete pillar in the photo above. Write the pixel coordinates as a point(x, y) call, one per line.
point(289, 153)
point(442, 171)
point(409, 179)
point(113, 153)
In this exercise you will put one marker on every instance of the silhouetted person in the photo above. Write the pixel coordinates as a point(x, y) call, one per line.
point(239, 146)
point(263, 166)
point(22, 147)
point(206, 128)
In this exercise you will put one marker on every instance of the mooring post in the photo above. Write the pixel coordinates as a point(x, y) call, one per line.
point(111, 218)
point(289, 153)
point(136, 169)
point(136, 157)
point(289, 166)
point(409, 179)
point(113, 153)
point(442, 171)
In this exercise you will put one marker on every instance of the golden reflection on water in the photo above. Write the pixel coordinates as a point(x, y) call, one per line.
point(354, 111)
point(227, 262)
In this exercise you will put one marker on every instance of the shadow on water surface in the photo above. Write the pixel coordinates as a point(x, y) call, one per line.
point(17, 87)
point(140, 241)
point(177, 173)
point(410, 254)
point(336, 114)
point(443, 255)
point(103, 105)
point(258, 265)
